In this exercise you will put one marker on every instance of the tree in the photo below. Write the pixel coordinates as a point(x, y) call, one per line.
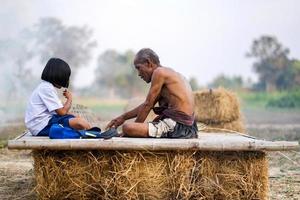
point(116, 73)
point(235, 82)
point(17, 78)
point(54, 39)
point(296, 70)
point(271, 61)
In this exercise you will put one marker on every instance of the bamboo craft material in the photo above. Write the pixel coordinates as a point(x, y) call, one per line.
point(204, 142)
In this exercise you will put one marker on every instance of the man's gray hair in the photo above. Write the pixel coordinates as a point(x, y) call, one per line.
point(146, 54)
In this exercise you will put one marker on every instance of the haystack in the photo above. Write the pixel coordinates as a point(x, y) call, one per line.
point(219, 110)
point(217, 105)
point(233, 126)
point(150, 175)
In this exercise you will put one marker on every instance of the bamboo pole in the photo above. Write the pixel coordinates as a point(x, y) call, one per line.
point(205, 142)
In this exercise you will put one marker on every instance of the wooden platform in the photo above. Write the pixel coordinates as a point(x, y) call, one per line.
point(205, 142)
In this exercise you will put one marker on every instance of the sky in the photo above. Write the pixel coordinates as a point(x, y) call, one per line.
point(199, 38)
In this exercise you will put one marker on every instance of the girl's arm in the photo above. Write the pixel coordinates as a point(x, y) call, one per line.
point(67, 105)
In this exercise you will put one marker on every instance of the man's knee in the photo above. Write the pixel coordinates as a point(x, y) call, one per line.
point(127, 127)
point(135, 129)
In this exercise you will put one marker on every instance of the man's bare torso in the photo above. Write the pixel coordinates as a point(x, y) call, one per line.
point(176, 92)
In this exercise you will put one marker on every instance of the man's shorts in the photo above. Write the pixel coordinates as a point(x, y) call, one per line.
point(56, 119)
point(168, 128)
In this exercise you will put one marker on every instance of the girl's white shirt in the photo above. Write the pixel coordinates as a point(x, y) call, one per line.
point(41, 107)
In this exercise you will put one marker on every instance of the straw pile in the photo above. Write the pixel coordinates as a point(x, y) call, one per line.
point(219, 110)
point(150, 175)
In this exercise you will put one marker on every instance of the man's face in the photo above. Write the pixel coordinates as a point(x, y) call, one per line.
point(144, 71)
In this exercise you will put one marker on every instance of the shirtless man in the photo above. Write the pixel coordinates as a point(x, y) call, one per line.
point(174, 96)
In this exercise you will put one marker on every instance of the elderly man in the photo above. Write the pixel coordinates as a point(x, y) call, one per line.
point(174, 95)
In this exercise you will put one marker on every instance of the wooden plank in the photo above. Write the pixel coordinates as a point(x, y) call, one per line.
point(205, 142)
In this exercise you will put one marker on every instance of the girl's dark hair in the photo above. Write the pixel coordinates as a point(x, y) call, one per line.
point(57, 72)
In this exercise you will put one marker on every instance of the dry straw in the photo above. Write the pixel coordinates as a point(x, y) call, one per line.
point(233, 126)
point(215, 106)
point(219, 110)
point(150, 175)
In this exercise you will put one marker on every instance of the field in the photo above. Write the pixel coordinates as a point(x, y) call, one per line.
point(16, 168)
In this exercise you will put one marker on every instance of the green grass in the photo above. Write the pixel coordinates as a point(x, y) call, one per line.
point(107, 108)
point(261, 100)
point(255, 100)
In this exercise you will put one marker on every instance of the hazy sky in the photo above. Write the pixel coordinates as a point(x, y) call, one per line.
point(197, 38)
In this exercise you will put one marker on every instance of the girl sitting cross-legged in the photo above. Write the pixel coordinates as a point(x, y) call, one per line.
point(45, 108)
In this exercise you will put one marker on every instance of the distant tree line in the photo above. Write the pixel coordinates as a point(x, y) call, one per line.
point(115, 75)
point(275, 70)
point(234, 82)
point(51, 38)
point(48, 38)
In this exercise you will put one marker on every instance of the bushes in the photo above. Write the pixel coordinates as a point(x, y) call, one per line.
point(287, 100)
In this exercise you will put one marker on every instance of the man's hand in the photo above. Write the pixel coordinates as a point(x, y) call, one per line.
point(115, 123)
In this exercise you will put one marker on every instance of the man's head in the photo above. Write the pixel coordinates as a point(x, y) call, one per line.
point(146, 61)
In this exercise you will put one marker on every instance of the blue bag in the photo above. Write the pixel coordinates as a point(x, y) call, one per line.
point(58, 131)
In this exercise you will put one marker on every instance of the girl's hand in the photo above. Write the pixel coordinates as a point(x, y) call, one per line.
point(67, 94)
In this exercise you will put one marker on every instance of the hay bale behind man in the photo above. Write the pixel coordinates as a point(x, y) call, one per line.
point(219, 110)
point(218, 105)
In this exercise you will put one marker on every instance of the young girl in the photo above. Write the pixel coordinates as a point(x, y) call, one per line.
point(45, 108)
